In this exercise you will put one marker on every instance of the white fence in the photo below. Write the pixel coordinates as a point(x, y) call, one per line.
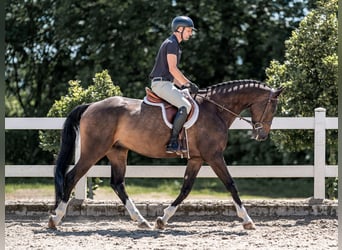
point(319, 171)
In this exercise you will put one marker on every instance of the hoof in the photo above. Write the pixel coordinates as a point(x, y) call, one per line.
point(145, 224)
point(51, 224)
point(249, 226)
point(159, 224)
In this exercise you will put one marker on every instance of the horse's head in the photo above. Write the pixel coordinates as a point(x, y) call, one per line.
point(262, 113)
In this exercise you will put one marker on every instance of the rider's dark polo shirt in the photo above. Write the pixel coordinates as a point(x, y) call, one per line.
point(161, 68)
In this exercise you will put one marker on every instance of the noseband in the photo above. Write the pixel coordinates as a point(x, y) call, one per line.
point(256, 125)
point(260, 124)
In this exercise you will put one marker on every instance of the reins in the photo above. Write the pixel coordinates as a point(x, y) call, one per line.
point(226, 109)
point(255, 125)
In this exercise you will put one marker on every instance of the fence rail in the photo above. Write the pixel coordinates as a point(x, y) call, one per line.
point(319, 171)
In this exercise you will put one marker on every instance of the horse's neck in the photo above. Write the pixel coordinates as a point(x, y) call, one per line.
point(235, 102)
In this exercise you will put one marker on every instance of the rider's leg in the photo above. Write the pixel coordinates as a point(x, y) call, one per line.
point(178, 123)
point(174, 96)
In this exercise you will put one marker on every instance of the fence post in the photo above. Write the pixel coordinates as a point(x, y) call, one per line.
point(81, 186)
point(319, 157)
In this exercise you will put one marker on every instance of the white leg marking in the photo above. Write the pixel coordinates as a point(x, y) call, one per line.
point(242, 213)
point(134, 212)
point(168, 213)
point(60, 212)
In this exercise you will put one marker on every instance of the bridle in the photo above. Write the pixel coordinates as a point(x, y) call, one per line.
point(255, 125)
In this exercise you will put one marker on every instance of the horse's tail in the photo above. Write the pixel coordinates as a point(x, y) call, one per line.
point(67, 148)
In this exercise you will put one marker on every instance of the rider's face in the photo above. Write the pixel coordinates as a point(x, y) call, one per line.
point(187, 33)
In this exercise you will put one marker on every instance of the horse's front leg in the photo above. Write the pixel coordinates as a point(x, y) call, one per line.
point(191, 172)
point(242, 213)
point(117, 158)
point(221, 170)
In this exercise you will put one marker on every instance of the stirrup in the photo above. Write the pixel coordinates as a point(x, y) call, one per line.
point(172, 147)
point(175, 147)
point(183, 150)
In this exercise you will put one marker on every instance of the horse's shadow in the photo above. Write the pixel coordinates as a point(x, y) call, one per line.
point(173, 229)
point(120, 233)
point(137, 234)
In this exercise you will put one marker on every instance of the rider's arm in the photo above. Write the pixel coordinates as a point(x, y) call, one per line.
point(179, 78)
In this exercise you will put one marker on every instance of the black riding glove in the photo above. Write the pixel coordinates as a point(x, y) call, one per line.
point(192, 86)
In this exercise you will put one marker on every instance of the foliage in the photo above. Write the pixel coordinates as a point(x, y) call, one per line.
point(332, 188)
point(93, 184)
point(242, 150)
point(37, 64)
point(103, 87)
point(309, 74)
point(237, 39)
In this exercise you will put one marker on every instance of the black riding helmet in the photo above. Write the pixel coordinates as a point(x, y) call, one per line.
point(182, 21)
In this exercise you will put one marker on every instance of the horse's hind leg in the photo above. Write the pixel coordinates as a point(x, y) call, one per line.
point(72, 177)
point(90, 154)
point(118, 157)
point(191, 172)
point(95, 137)
point(220, 168)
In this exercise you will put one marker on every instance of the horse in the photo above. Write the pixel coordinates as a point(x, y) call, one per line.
point(113, 126)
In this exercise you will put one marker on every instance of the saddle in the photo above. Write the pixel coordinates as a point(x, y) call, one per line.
point(169, 111)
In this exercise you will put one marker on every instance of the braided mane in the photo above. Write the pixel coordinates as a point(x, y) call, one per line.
point(234, 85)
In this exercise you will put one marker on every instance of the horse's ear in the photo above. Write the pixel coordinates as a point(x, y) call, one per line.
point(278, 91)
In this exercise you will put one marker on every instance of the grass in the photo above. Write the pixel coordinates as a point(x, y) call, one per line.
point(13, 187)
point(248, 188)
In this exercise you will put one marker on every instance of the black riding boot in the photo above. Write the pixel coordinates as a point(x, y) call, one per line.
point(178, 123)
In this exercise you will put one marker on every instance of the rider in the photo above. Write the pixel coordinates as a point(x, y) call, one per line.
point(168, 80)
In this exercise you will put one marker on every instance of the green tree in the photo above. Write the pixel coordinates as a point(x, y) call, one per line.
point(38, 66)
point(237, 39)
point(309, 74)
point(103, 87)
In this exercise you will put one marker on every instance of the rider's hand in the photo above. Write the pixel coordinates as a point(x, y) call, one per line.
point(192, 86)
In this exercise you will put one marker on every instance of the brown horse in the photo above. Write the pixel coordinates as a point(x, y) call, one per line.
point(115, 125)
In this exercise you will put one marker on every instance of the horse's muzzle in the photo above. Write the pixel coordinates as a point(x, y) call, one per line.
point(259, 135)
